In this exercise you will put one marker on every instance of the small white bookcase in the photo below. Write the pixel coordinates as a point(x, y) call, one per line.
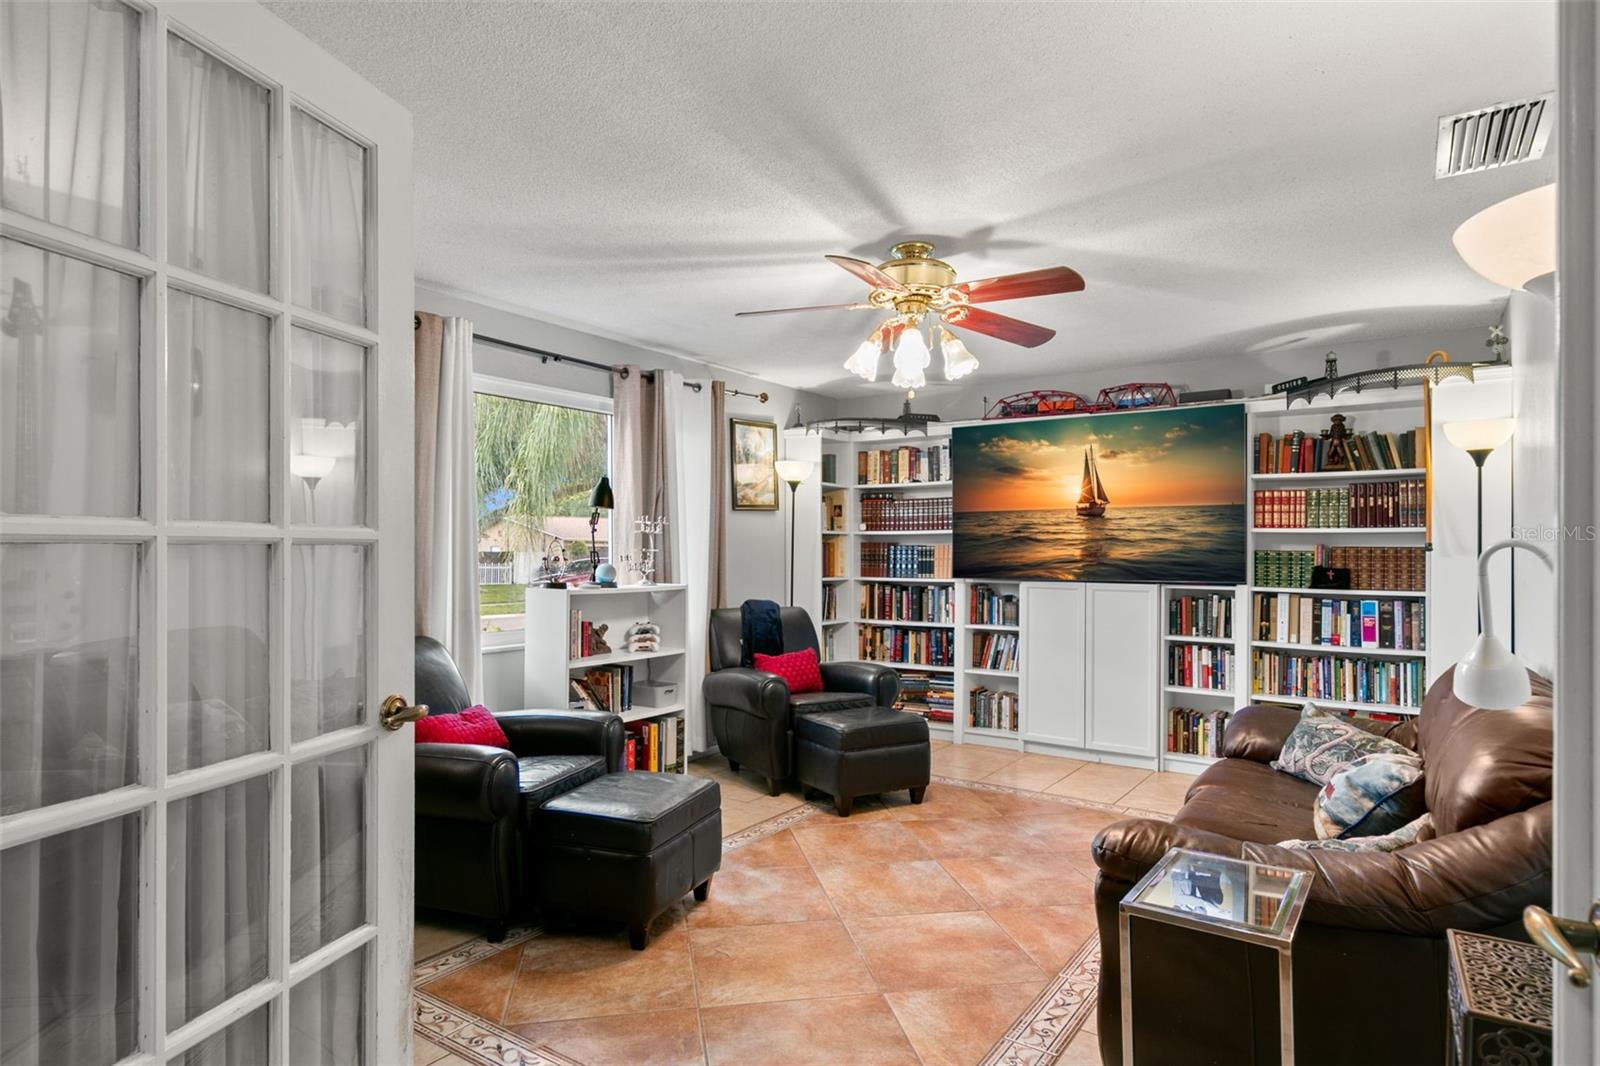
point(550, 661)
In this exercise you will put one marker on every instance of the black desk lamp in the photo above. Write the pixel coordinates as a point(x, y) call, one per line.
point(599, 500)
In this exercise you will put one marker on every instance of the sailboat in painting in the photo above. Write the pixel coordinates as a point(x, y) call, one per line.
point(1092, 498)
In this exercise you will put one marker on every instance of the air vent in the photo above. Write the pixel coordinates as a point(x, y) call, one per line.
point(1496, 136)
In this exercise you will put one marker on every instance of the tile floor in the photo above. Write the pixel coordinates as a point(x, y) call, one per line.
point(911, 934)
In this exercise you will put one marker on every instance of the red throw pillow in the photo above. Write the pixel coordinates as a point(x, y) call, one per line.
point(475, 725)
point(799, 668)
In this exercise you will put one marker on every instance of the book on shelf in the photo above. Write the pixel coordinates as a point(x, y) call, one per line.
point(1191, 731)
point(1200, 615)
point(1389, 569)
point(833, 514)
point(830, 468)
point(887, 602)
point(989, 708)
point(906, 464)
point(895, 645)
point(995, 651)
point(904, 560)
point(833, 557)
point(1340, 621)
point(602, 688)
point(830, 603)
point(931, 695)
point(892, 512)
point(655, 745)
point(987, 607)
point(1349, 679)
point(1365, 505)
point(1300, 452)
point(1208, 666)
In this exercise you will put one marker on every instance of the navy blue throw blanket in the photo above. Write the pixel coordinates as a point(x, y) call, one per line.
point(760, 630)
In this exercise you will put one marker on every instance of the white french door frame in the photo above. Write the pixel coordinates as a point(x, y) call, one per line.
point(299, 76)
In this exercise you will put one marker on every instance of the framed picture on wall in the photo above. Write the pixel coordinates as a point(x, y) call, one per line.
point(752, 451)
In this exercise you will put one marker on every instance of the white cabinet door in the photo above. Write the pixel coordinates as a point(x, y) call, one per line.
point(1053, 663)
point(1121, 671)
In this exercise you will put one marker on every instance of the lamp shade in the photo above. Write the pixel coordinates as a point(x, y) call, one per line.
point(1480, 435)
point(601, 499)
point(793, 471)
point(1492, 677)
point(1514, 241)
point(310, 467)
point(958, 361)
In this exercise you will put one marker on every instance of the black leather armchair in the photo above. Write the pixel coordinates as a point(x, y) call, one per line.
point(752, 712)
point(476, 804)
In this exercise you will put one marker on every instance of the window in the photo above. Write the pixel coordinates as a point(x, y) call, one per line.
point(539, 453)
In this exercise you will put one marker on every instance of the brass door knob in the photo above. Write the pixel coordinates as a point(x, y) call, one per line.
point(396, 712)
point(1562, 939)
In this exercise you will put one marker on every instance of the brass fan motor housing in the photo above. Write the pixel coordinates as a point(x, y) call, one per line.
point(927, 279)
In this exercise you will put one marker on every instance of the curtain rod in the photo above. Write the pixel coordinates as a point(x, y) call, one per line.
point(546, 356)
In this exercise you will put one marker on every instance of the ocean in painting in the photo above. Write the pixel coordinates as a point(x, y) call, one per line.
point(1200, 544)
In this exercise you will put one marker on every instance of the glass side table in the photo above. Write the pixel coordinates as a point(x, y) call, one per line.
point(1245, 901)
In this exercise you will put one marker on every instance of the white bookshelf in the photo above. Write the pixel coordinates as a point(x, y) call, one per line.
point(1206, 700)
point(550, 659)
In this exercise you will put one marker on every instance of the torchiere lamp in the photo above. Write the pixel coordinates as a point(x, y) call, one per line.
point(792, 471)
point(1479, 439)
point(1492, 676)
point(600, 500)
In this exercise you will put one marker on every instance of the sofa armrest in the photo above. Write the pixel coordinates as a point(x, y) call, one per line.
point(882, 683)
point(1257, 732)
point(1479, 878)
point(565, 733)
point(754, 692)
point(465, 782)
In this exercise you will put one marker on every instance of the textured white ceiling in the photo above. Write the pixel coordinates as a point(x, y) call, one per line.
point(1228, 177)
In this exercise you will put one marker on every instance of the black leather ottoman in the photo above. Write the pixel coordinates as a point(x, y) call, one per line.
point(626, 846)
point(862, 751)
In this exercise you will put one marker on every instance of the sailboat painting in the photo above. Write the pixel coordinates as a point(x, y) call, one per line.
point(1033, 497)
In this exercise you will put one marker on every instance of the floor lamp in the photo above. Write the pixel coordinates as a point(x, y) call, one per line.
point(792, 471)
point(1479, 439)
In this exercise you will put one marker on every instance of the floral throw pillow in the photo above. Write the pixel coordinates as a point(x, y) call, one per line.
point(1374, 795)
point(1415, 833)
point(1322, 744)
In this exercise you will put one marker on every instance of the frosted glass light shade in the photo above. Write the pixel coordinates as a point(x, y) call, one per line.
point(911, 354)
point(958, 360)
point(793, 471)
point(1492, 677)
point(863, 362)
point(1483, 434)
point(310, 466)
point(1514, 241)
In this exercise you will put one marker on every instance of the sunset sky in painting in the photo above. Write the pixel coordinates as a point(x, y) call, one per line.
point(1155, 458)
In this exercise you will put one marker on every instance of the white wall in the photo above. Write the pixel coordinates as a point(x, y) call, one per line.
point(1531, 327)
point(756, 539)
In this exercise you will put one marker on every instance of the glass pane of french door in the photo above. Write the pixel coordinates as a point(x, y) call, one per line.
point(189, 551)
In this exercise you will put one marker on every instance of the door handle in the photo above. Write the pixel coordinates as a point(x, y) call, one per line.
point(1563, 939)
point(396, 712)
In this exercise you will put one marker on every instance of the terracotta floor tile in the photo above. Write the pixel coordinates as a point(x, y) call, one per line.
point(436, 933)
point(426, 1052)
point(655, 1038)
point(919, 951)
point(864, 889)
point(1070, 830)
point(481, 988)
point(761, 895)
point(768, 963)
point(1102, 782)
point(1083, 1051)
point(949, 837)
point(836, 840)
point(1031, 777)
point(778, 849)
point(957, 1026)
point(737, 816)
point(578, 976)
point(941, 801)
point(1159, 792)
point(844, 1031)
point(1011, 880)
point(1050, 935)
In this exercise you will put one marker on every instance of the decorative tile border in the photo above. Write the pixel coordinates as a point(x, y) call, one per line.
point(777, 823)
point(1042, 1032)
point(477, 1040)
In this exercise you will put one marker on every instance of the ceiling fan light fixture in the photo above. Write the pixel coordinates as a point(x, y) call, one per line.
point(958, 360)
point(911, 354)
point(863, 362)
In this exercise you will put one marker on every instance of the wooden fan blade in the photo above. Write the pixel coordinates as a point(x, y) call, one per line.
point(815, 307)
point(866, 272)
point(1004, 327)
point(1044, 282)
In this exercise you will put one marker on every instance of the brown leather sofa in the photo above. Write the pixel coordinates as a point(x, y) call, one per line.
point(1369, 959)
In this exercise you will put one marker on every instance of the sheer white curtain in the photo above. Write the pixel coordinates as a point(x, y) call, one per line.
point(646, 454)
point(700, 508)
point(447, 493)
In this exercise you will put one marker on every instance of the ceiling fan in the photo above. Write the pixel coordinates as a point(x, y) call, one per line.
point(914, 286)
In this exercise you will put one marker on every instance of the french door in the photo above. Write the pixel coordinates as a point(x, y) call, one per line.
point(205, 543)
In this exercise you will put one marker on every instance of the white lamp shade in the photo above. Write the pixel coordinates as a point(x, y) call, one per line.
point(958, 361)
point(1492, 677)
point(309, 466)
point(1484, 434)
point(1514, 241)
point(793, 471)
point(863, 362)
point(911, 354)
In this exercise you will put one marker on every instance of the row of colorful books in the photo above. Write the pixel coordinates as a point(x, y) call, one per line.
point(892, 511)
point(995, 651)
point(905, 560)
point(830, 602)
point(907, 603)
point(931, 695)
point(1399, 682)
point(1391, 569)
point(1195, 732)
point(989, 708)
point(602, 688)
point(987, 607)
point(903, 465)
point(1200, 666)
point(1200, 615)
point(912, 647)
point(1369, 505)
point(1306, 453)
point(656, 744)
point(1341, 622)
